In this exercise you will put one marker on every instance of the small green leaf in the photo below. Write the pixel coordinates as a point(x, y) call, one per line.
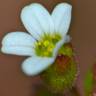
point(88, 83)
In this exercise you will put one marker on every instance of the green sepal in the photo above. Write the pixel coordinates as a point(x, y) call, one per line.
point(61, 76)
point(66, 50)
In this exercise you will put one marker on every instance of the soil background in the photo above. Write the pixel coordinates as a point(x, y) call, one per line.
point(83, 32)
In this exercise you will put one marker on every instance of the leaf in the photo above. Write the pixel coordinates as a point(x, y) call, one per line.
point(88, 83)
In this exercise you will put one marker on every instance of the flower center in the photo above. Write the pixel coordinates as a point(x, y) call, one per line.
point(45, 46)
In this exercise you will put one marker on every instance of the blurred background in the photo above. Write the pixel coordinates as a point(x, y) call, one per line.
point(83, 32)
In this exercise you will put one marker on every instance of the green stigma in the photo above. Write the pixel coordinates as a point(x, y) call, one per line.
point(45, 46)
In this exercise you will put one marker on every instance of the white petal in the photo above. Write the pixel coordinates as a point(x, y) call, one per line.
point(62, 17)
point(18, 50)
point(37, 20)
point(18, 39)
point(35, 65)
point(18, 43)
point(68, 38)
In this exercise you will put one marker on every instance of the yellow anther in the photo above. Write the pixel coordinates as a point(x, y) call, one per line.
point(45, 46)
point(50, 49)
point(46, 43)
point(39, 43)
point(51, 45)
point(46, 53)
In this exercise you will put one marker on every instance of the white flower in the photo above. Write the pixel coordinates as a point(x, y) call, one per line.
point(47, 33)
